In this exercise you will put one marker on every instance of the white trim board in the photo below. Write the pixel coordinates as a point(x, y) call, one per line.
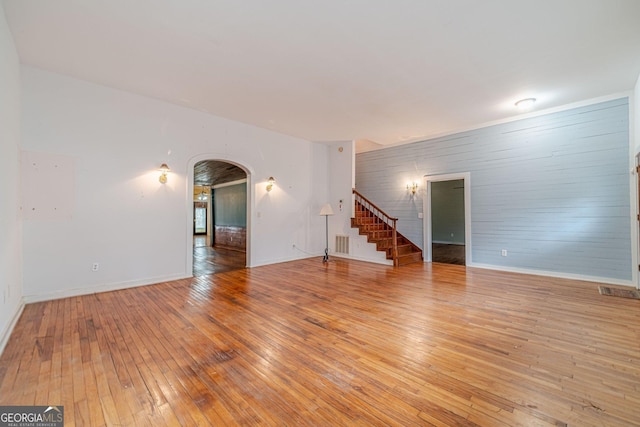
point(427, 239)
point(385, 261)
point(6, 334)
point(101, 288)
point(554, 274)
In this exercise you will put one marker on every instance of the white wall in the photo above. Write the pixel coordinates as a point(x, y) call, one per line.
point(341, 156)
point(10, 230)
point(341, 171)
point(120, 215)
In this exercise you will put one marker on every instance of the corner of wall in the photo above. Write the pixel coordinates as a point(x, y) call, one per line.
point(5, 334)
point(11, 290)
point(341, 172)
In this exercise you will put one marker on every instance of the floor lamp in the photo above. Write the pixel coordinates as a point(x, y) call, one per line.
point(326, 211)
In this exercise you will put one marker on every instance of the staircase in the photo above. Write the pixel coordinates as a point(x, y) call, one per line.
point(381, 229)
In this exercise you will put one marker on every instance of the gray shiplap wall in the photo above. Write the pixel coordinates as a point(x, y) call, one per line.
point(553, 190)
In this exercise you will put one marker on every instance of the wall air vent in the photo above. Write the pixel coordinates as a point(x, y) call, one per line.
point(342, 244)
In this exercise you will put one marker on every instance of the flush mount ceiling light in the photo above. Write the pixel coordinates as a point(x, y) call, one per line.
point(525, 103)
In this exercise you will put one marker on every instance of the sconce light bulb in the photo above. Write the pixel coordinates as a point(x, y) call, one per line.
point(413, 187)
point(270, 181)
point(163, 169)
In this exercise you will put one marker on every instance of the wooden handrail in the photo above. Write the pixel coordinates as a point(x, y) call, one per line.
point(374, 211)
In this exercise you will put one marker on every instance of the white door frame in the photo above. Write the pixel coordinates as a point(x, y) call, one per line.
point(635, 219)
point(427, 227)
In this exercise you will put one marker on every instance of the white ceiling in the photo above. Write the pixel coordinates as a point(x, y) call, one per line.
point(386, 71)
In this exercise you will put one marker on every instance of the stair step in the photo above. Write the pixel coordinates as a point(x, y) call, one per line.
point(380, 235)
point(383, 245)
point(373, 228)
point(405, 249)
point(410, 258)
point(402, 250)
point(365, 221)
point(362, 217)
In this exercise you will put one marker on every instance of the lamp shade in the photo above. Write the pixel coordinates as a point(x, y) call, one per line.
point(326, 210)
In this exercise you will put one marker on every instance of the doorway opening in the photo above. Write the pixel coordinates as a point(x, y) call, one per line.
point(447, 220)
point(220, 212)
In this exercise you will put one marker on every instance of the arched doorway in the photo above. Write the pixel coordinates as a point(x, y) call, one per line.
point(219, 215)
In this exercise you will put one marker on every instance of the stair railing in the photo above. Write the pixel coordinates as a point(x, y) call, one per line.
point(373, 211)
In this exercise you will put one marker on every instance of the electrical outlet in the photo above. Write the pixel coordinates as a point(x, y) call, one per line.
point(95, 266)
point(504, 252)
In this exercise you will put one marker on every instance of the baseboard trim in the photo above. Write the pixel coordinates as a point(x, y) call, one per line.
point(555, 274)
point(355, 258)
point(281, 260)
point(6, 334)
point(66, 293)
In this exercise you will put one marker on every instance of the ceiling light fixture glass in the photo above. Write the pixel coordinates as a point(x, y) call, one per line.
point(525, 103)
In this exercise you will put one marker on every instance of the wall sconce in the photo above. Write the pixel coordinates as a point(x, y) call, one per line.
point(413, 187)
point(270, 181)
point(163, 176)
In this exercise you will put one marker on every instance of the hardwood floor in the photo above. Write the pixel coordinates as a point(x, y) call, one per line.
point(212, 260)
point(448, 254)
point(341, 343)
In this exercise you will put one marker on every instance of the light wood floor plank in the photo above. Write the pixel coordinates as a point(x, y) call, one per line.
point(338, 343)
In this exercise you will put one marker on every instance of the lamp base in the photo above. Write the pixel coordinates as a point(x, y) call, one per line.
point(325, 258)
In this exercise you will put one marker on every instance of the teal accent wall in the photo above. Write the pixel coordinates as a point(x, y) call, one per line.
point(230, 205)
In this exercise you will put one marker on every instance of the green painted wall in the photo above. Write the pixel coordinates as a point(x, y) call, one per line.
point(447, 211)
point(230, 205)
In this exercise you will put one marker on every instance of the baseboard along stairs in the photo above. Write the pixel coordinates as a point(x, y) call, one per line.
point(380, 229)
